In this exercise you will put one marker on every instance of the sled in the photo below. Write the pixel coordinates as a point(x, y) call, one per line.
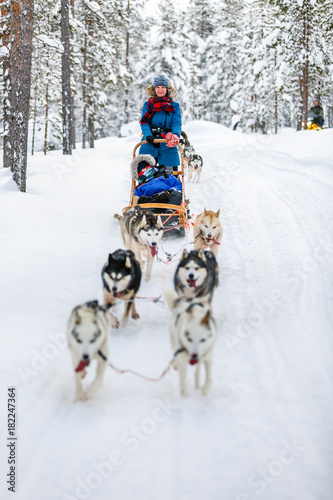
point(174, 217)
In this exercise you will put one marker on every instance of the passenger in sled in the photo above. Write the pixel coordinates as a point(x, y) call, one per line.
point(316, 116)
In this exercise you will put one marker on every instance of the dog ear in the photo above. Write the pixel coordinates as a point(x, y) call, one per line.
point(159, 221)
point(205, 212)
point(185, 254)
point(144, 220)
point(77, 319)
point(110, 257)
point(128, 262)
point(202, 255)
point(205, 320)
point(218, 213)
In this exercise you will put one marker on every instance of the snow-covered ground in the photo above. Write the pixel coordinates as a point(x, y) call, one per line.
point(265, 430)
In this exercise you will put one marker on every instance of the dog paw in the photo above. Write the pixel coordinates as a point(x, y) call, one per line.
point(206, 388)
point(136, 316)
point(115, 323)
point(85, 396)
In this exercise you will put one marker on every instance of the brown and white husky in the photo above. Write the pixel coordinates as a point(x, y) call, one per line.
point(208, 231)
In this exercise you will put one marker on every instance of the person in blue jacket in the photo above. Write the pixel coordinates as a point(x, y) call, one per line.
point(161, 118)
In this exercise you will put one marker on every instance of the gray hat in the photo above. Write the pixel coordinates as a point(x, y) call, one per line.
point(161, 80)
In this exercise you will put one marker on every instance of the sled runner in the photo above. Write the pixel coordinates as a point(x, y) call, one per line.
point(174, 217)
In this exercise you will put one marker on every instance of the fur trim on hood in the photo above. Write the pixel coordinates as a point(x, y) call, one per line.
point(171, 92)
point(135, 163)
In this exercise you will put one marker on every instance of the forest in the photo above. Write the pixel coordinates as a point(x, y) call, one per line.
point(76, 70)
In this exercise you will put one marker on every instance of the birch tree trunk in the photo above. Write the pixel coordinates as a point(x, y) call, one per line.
point(66, 84)
point(21, 13)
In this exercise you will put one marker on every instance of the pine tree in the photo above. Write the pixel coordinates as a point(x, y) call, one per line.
point(66, 80)
point(5, 38)
point(21, 14)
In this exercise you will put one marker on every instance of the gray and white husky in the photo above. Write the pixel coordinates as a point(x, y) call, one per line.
point(192, 335)
point(196, 274)
point(194, 167)
point(141, 232)
point(87, 334)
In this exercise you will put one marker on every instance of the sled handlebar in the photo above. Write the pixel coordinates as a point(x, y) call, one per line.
point(180, 147)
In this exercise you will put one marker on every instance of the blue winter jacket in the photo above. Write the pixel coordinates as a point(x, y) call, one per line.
point(173, 121)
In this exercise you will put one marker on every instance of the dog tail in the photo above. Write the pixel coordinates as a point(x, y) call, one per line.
point(117, 216)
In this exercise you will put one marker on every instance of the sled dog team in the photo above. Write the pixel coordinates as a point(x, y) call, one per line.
point(192, 327)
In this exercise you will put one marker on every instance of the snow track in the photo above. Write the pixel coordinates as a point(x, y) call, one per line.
point(265, 430)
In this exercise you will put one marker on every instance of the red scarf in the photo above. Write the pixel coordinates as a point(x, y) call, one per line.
point(156, 105)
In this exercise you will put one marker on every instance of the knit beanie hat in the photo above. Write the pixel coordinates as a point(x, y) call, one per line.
point(161, 80)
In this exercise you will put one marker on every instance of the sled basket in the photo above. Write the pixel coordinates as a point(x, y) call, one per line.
point(174, 217)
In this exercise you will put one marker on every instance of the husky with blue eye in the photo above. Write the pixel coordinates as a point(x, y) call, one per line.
point(87, 334)
point(192, 335)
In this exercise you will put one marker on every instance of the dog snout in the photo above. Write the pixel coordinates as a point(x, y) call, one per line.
point(194, 355)
point(154, 244)
point(85, 357)
point(209, 235)
point(114, 289)
point(191, 276)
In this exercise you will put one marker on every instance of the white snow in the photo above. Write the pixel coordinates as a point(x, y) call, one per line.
point(265, 430)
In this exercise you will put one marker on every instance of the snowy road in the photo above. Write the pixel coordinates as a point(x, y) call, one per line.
point(265, 430)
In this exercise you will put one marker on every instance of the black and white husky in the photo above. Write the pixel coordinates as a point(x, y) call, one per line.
point(196, 274)
point(192, 335)
point(87, 334)
point(194, 166)
point(121, 277)
point(141, 232)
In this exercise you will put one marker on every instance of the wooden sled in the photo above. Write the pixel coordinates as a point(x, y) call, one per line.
point(174, 217)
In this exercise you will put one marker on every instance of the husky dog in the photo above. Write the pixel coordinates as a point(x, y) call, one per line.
point(192, 335)
point(141, 232)
point(121, 277)
point(196, 274)
point(87, 334)
point(188, 152)
point(208, 231)
point(194, 166)
point(183, 141)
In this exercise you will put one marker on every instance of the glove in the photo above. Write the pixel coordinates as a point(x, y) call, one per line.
point(150, 140)
point(172, 139)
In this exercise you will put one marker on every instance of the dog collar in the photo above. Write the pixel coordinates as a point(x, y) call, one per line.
point(182, 349)
point(104, 358)
point(191, 361)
